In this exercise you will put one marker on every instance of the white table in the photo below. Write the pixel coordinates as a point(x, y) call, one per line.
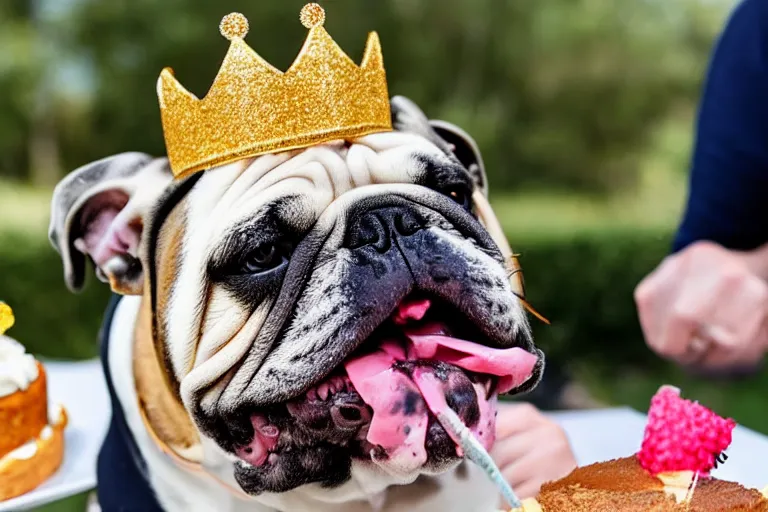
point(595, 436)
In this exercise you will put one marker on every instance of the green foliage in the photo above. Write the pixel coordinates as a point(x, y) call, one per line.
point(559, 93)
point(76, 503)
point(584, 285)
point(20, 69)
point(49, 320)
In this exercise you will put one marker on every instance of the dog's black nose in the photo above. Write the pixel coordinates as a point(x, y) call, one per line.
point(377, 227)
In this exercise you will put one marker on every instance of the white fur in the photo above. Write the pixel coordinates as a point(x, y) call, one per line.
point(321, 174)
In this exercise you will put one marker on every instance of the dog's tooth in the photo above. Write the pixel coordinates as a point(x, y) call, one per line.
point(322, 391)
point(272, 459)
point(489, 386)
point(312, 394)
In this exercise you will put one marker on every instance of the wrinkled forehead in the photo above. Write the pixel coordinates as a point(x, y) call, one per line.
point(298, 186)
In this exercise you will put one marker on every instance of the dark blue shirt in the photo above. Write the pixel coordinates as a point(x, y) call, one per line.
point(728, 195)
point(121, 473)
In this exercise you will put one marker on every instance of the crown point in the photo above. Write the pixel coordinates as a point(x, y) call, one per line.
point(233, 25)
point(312, 15)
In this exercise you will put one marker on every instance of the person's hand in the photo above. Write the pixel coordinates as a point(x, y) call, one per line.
point(707, 307)
point(530, 449)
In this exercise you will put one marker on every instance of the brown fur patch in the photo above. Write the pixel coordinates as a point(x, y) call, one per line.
point(170, 242)
point(167, 419)
point(156, 385)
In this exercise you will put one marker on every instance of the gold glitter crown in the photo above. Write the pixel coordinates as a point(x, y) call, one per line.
point(253, 108)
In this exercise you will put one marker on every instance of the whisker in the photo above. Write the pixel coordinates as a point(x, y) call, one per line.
point(531, 309)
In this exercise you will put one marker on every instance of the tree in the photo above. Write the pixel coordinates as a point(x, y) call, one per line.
point(557, 92)
point(19, 72)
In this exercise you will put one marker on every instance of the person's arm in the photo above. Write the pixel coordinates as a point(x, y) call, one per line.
point(707, 304)
point(728, 195)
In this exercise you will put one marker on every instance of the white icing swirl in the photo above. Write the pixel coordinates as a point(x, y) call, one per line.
point(46, 433)
point(17, 368)
point(24, 452)
point(54, 413)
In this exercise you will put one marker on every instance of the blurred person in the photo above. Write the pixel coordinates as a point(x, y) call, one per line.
point(706, 305)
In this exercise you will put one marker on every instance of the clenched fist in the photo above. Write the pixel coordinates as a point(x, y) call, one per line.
point(530, 449)
point(706, 306)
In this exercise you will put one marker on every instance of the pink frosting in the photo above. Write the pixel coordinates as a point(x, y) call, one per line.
point(682, 435)
point(399, 404)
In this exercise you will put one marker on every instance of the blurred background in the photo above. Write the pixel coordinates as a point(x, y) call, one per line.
point(584, 110)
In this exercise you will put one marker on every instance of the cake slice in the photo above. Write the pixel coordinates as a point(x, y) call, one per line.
point(624, 485)
point(682, 442)
point(31, 433)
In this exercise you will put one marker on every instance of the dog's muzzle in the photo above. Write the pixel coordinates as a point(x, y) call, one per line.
point(414, 299)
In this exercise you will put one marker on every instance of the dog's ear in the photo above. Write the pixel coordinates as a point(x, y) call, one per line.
point(99, 211)
point(408, 117)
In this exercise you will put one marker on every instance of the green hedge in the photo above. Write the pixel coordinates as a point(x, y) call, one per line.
point(583, 285)
point(49, 319)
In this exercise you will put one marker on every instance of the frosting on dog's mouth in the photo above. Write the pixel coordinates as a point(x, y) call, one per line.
point(373, 404)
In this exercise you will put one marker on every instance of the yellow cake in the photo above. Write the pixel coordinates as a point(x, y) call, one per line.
point(31, 433)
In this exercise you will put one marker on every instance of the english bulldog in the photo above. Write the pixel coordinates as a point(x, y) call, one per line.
point(281, 313)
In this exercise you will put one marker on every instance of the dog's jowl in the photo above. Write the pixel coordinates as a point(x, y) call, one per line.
point(281, 308)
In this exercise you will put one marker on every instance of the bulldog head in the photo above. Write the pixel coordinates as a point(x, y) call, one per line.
point(302, 300)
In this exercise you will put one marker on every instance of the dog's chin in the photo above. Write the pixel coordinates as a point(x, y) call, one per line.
point(374, 408)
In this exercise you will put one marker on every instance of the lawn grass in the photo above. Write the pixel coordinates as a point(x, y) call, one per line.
point(76, 503)
point(654, 204)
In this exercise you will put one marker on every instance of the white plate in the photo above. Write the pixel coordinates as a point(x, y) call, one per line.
point(80, 388)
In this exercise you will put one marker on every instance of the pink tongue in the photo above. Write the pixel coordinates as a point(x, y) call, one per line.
point(513, 366)
point(399, 423)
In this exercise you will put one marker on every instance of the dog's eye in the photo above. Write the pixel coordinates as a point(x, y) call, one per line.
point(264, 257)
point(460, 195)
